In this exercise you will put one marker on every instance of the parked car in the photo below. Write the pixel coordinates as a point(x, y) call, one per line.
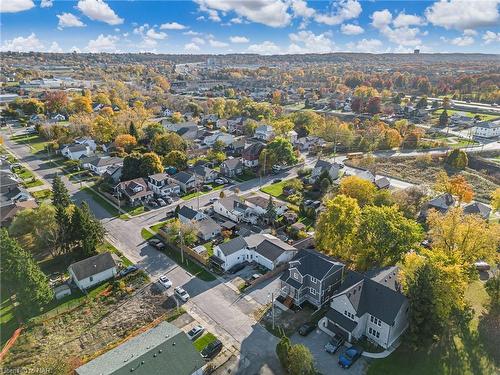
point(155, 242)
point(206, 188)
point(195, 332)
point(211, 350)
point(165, 281)
point(212, 200)
point(349, 356)
point(153, 204)
point(277, 180)
point(127, 270)
point(482, 266)
point(306, 329)
point(334, 344)
point(236, 268)
point(181, 293)
point(161, 202)
point(169, 200)
point(219, 181)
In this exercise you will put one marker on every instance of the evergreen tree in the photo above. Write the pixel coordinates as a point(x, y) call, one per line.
point(443, 119)
point(22, 275)
point(300, 361)
point(270, 210)
point(282, 349)
point(60, 195)
point(65, 230)
point(90, 232)
point(133, 130)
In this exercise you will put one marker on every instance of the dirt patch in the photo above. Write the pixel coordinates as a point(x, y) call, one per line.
point(98, 323)
point(286, 322)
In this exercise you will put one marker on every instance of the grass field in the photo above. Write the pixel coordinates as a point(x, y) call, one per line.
point(200, 193)
point(106, 246)
point(203, 341)
point(42, 195)
point(484, 117)
point(35, 142)
point(112, 210)
point(276, 190)
point(461, 352)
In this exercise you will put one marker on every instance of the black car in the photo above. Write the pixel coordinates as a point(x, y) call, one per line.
point(306, 329)
point(212, 349)
point(128, 270)
point(155, 242)
point(276, 180)
point(236, 268)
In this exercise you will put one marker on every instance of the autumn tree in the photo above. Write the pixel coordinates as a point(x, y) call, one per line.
point(337, 226)
point(81, 104)
point(126, 141)
point(150, 164)
point(278, 152)
point(358, 188)
point(335, 131)
point(282, 127)
point(176, 159)
point(410, 200)
point(176, 117)
point(305, 121)
point(495, 199)
point(456, 185)
point(56, 101)
point(457, 159)
point(391, 139)
point(300, 360)
point(162, 144)
point(152, 130)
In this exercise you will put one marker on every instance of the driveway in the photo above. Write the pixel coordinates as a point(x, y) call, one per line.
point(327, 363)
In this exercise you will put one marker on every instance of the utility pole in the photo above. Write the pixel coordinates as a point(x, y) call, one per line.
point(272, 307)
point(181, 240)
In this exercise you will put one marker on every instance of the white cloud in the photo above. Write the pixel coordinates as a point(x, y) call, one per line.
point(351, 29)
point(47, 4)
point(54, 48)
point(462, 41)
point(397, 30)
point(236, 20)
point(172, 26)
point(366, 46)
point(404, 19)
point(264, 48)
point(308, 42)
point(98, 10)
point(463, 14)
point(272, 13)
point(22, 44)
point(239, 39)
point(152, 34)
point(69, 20)
point(343, 10)
point(217, 44)
point(75, 49)
point(470, 32)
point(491, 37)
point(191, 47)
point(191, 32)
point(300, 9)
point(103, 43)
point(14, 6)
point(198, 40)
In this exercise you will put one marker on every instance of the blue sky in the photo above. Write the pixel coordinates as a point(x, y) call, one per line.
point(257, 26)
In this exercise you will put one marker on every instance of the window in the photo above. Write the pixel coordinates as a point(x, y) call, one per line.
point(374, 333)
point(314, 280)
point(313, 291)
point(375, 321)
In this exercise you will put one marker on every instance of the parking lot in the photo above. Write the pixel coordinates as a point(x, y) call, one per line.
point(327, 363)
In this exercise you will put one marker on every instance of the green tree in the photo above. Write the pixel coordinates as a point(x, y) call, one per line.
point(60, 194)
point(384, 236)
point(152, 130)
point(219, 146)
point(89, 232)
point(337, 226)
point(443, 118)
point(383, 198)
point(131, 166)
point(492, 287)
point(277, 152)
point(270, 210)
point(282, 349)
point(177, 159)
point(21, 275)
point(300, 361)
point(132, 130)
point(150, 164)
point(162, 144)
point(457, 159)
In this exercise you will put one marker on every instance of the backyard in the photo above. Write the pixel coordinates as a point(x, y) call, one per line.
point(203, 341)
point(462, 351)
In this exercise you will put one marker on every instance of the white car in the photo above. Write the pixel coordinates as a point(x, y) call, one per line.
point(181, 293)
point(165, 281)
point(195, 332)
point(219, 181)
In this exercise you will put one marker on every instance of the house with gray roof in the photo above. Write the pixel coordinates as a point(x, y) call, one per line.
point(231, 167)
point(162, 350)
point(369, 305)
point(478, 208)
point(442, 203)
point(323, 166)
point(92, 271)
point(264, 249)
point(188, 215)
point(186, 180)
point(99, 164)
point(76, 151)
point(312, 277)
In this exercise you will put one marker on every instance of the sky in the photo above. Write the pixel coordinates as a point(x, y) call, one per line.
point(250, 26)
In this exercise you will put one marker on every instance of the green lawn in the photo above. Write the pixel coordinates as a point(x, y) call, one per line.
point(200, 193)
point(146, 234)
point(112, 210)
point(42, 195)
point(203, 341)
point(106, 246)
point(462, 352)
point(29, 179)
point(157, 226)
point(8, 323)
point(210, 248)
point(276, 190)
point(245, 176)
point(36, 142)
point(484, 117)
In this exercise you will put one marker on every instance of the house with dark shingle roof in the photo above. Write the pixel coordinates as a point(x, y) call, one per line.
point(441, 203)
point(188, 215)
point(136, 191)
point(478, 208)
point(99, 164)
point(185, 180)
point(92, 271)
point(311, 276)
point(162, 350)
point(323, 166)
point(231, 167)
point(369, 305)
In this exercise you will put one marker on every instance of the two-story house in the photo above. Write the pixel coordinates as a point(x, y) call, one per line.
point(100, 164)
point(369, 305)
point(235, 209)
point(487, 129)
point(264, 133)
point(250, 155)
point(322, 166)
point(188, 215)
point(231, 167)
point(218, 136)
point(163, 185)
point(204, 174)
point(186, 180)
point(311, 276)
point(76, 151)
point(136, 191)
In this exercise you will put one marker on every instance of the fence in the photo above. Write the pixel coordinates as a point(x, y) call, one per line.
point(269, 274)
point(186, 249)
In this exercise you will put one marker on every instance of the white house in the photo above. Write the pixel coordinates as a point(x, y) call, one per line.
point(188, 215)
point(92, 271)
point(87, 141)
point(264, 132)
point(260, 204)
point(100, 164)
point(76, 151)
point(487, 129)
point(225, 138)
point(163, 185)
point(185, 180)
point(368, 305)
point(323, 166)
point(264, 249)
point(236, 209)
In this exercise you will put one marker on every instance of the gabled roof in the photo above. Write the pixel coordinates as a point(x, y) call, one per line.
point(442, 202)
point(233, 202)
point(323, 164)
point(382, 183)
point(252, 151)
point(183, 177)
point(207, 226)
point(264, 128)
point(313, 263)
point(478, 208)
point(373, 295)
point(188, 212)
point(162, 350)
point(77, 148)
point(93, 265)
point(272, 249)
point(341, 320)
point(159, 176)
point(100, 161)
point(231, 247)
point(232, 163)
